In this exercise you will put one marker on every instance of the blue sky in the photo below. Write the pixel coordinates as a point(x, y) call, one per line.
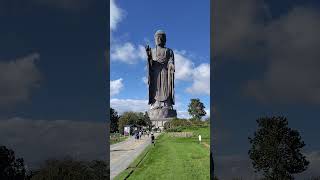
point(188, 33)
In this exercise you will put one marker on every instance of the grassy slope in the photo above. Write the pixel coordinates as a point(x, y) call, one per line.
point(175, 158)
point(204, 132)
point(114, 140)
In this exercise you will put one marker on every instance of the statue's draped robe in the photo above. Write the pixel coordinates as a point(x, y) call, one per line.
point(161, 79)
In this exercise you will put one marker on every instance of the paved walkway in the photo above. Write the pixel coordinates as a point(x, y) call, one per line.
point(124, 153)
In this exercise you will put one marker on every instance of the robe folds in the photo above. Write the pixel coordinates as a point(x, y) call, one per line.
point(161, 77)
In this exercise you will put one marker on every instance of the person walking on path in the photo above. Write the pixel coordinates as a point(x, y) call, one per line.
point(152, 139)
point(140, 134)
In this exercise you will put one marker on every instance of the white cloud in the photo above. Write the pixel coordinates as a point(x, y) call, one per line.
point(142, 52)
point(184, 66)
point(185, 71)
point(116, 86)
point(18, 78)
point(201, 80)
point(145, 80)
point(183, 114)
point(207, 113)
point(116, 15)
point(127, 53)
point(186, 115)
point(123, 105)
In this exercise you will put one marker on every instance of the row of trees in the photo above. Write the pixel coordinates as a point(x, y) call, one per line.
point(196, 110)
point(12, 168)
point(134, 118)
point(177, 124)
point(275, 148)
point(275, 151)
point(128, 118)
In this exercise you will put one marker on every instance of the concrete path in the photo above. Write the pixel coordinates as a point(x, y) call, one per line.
point(124, 153)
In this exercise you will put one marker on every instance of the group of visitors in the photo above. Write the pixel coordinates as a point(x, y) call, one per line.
point(138, 135)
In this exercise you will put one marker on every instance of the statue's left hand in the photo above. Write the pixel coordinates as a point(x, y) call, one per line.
point(171, 67)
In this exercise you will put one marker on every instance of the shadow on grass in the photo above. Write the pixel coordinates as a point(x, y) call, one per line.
point(121, 150)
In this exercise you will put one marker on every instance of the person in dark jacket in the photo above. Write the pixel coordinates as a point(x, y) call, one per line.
point(153, 140)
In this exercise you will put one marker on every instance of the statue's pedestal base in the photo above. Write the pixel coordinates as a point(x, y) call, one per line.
point(160, 116)
point(159, 123)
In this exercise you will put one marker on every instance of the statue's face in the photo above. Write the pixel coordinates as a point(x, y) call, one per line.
point(160, 39)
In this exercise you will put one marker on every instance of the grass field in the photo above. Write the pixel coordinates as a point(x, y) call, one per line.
point(203, 131)
point(116, 138)
point(174, 158)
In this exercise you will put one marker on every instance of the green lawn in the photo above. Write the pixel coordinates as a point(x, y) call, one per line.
point(116, 138)
point(174, 158)
point(203, 131)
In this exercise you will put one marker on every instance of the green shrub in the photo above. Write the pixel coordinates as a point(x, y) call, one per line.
point(178, 125)
point(70, 169)
point(175, 129)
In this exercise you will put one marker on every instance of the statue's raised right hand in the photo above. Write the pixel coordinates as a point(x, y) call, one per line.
point(148, 50)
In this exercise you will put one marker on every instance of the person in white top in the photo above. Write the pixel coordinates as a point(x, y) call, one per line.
point(199, 138)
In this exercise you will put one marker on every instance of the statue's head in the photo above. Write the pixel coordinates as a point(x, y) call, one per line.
point(160, 38)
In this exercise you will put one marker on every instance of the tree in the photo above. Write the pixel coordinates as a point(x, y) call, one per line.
point(101, 169)
point(70, 169)
point(10, 167)
point(114, 120)
point(196, 109)
point(141, 121)
point(275, 149)
point(127, 118)
point(134, 118)
point(148, 121)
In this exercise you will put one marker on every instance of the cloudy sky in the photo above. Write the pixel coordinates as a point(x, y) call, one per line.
point(133, 24)
point(53, 78)
point(266, 63)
